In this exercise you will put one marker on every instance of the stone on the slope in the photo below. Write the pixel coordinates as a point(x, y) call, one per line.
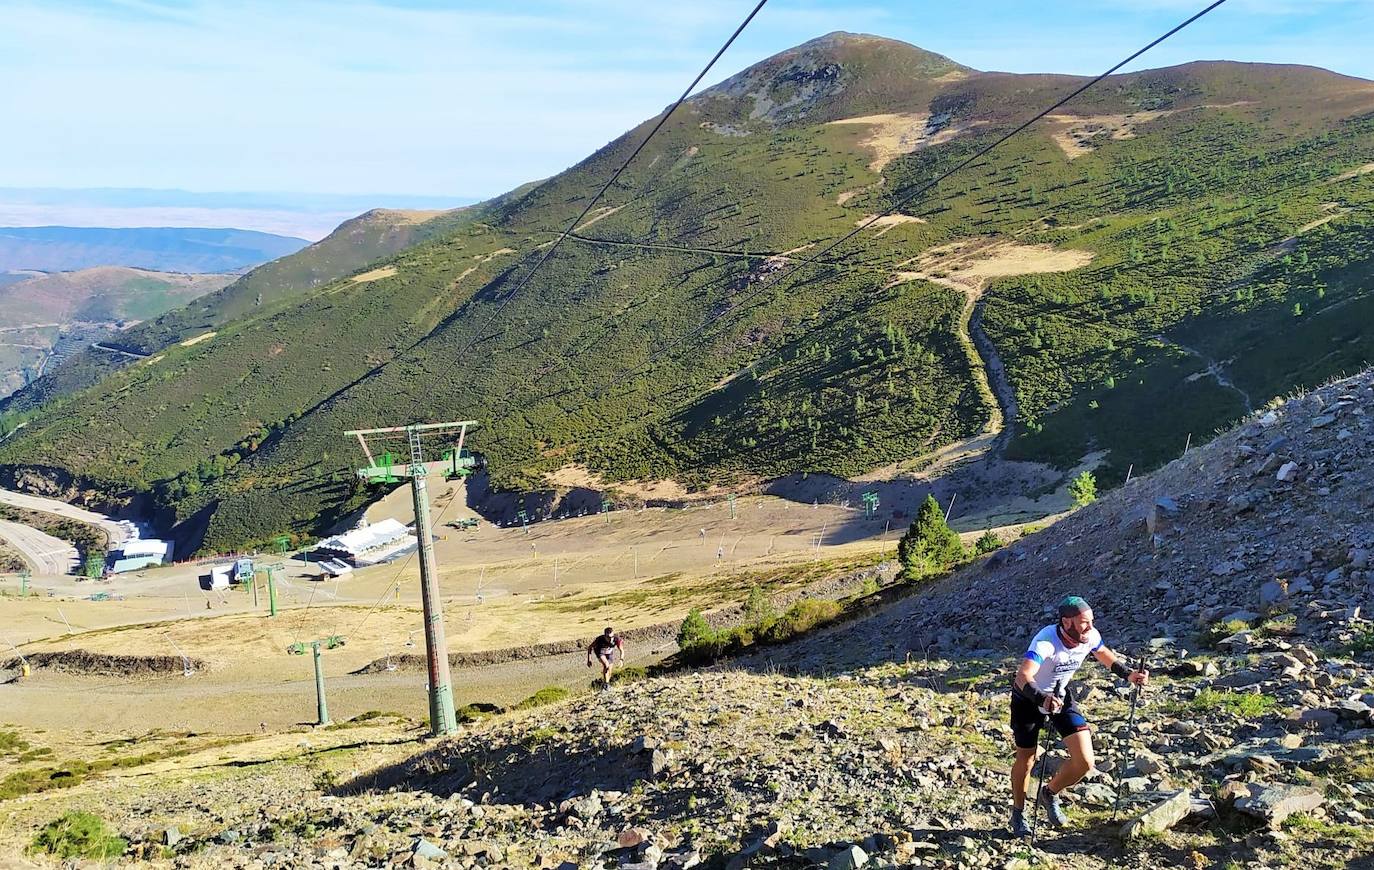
point(1287, 472)
point(1160, 817)
point(644, 743)
point(1148, 764)
point(1354, 710)
point(1276, 802)
point(683, 857)
point(171, 836)
point(659, 762)
point(1098, 794)
point(631, 837)
point(425, 849)
point(1239, 679)
point(1272, 592)
point(1318, 718)
point(1183, 728)
point(583, 808)
point(850, 858)
point(1239, 642)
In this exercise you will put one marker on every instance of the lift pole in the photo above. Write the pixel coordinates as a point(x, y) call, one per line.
point(271, 589)
point(442, 718)
point(298, 648)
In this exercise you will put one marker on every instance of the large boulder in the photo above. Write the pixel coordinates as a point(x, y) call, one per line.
point(1276, 802)
point(1160, 817)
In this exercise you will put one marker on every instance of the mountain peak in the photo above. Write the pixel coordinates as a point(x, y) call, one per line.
point(827, 77)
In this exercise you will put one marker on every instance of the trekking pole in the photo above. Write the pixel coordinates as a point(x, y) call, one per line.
point(1044, 762)
point(1130, 732)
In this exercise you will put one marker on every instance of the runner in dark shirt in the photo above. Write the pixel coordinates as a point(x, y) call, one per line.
point(604, 648)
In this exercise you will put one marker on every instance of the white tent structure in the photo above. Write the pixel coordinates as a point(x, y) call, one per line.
point(367, 545)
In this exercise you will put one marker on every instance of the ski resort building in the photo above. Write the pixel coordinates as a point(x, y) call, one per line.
point(367, 545)
point(140, 553)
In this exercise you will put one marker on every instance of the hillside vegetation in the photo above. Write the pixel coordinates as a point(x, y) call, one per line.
point(1179, 245)
point(45, 319)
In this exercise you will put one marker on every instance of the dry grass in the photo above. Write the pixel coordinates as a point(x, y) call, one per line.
point(969, 264)
point(204, 336)
point(374, 275)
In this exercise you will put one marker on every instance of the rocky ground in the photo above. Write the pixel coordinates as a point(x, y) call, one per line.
point(1242, 571)
point(890, 765)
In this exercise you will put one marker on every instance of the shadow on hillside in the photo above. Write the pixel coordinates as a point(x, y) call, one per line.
point(532, 769)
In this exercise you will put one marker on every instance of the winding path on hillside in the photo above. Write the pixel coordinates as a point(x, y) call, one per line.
point(969, 266)
point(993, 373)
point(46, 555)
point(117, 532)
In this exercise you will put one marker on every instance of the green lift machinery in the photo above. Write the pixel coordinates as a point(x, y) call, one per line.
point(870, 500)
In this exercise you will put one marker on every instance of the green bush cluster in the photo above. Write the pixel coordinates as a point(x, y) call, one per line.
point(1246, 705)
point(699, 643)
point(79, 835)
point(546, 695)
point(1221, 630)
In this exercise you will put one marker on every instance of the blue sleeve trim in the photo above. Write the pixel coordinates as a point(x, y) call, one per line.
point(1098, 647)
point(1035, 656)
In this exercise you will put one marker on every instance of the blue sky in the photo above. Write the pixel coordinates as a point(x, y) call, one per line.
point(469, 99)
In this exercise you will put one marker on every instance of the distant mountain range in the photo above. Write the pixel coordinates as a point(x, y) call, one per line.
point(162, 249)
point(310, 216)
point(47, 318)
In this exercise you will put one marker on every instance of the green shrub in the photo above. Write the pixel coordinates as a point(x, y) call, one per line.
point(1083, 490)
point(79, 835)
point(800, 618)
point(1246, 705)
point(758, 607)
point(987, 543)
point(929, 545)
point(1363, 643)
point(546, 695)
point(11, 742)
point(474, 712)
point(1218, 631)
point(695, 630)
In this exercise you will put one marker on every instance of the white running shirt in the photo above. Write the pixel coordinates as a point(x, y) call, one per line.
point(1058, 663)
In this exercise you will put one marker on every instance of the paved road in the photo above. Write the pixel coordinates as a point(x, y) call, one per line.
point(45, 554)
point(116, 531)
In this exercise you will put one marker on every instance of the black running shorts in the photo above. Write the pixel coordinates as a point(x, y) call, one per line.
point(1027, 720)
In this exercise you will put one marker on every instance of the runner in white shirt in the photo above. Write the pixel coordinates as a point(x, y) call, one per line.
point(1039, 696)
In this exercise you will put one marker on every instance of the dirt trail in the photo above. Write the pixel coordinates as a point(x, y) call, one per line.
point(116, 532)
point(45, 554)
point(969, 265)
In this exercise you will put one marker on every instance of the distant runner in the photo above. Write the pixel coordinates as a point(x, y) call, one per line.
point(1054, 656)
point(604, 649)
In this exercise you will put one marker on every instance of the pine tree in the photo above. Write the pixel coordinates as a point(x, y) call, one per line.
point(694, 631)
point(929, 545)
point(1083, 490)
